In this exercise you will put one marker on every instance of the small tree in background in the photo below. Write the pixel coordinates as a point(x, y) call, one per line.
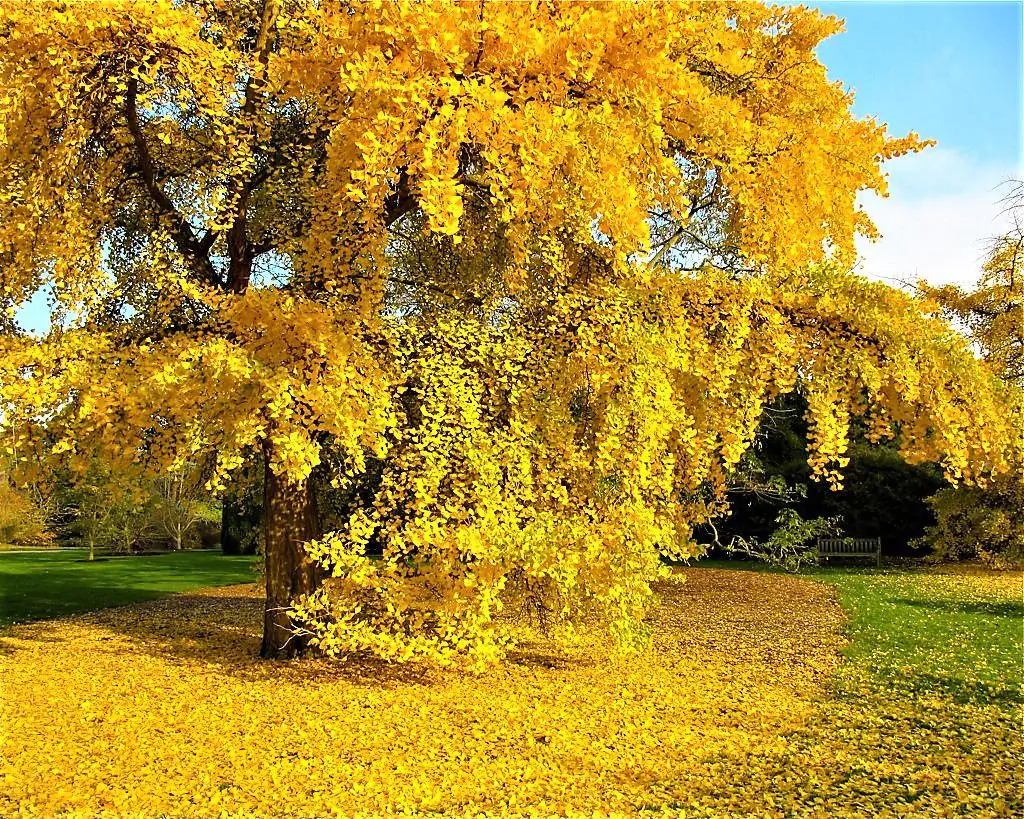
point(179, 503)
point(104, 509)
point(988, 522)
point(792, 544)
point(22, 522)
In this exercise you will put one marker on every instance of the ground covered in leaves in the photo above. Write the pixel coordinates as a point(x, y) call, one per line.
point(740, 708)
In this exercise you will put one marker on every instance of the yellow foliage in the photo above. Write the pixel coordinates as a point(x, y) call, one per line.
point(456, 238)
point(992, 313)
point(22, 522)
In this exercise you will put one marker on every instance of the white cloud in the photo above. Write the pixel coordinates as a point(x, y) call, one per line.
point(943, 210)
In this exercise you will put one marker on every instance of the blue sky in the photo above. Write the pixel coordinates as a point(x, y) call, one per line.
point(950, 71)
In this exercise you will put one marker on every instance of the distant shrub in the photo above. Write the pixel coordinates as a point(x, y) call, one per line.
point(987, 524)
point(791, 546)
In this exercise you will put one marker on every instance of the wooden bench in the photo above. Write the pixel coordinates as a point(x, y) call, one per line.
point(851, 547)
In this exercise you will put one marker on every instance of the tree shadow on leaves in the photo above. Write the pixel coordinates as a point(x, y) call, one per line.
point(959, 689)
point(532, 657)
point(220, 629)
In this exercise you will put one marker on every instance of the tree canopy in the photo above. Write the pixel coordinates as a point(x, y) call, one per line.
point(992, 312)
point(519, 277)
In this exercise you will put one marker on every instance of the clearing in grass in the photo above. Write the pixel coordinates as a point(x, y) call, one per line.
point(38, 585)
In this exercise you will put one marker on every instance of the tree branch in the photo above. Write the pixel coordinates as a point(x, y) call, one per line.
point(240, 250)
point(184, 236)
point(400, 202)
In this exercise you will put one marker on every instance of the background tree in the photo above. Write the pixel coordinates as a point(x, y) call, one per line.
point(22, 522)
point(527, 275)
point(986, 522)
point(882, 495)
point(179, 503)
point(242, 509)
point(992, 313)
point(103, 509)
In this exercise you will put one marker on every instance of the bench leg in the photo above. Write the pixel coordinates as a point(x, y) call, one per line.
point(879, 559)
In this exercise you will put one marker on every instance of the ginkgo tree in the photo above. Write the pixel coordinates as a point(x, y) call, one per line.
point(992, 312)
point(517, 278)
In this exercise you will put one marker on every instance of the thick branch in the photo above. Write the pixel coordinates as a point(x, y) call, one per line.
point(240, 250)
point(184, 237)
point(401, 202)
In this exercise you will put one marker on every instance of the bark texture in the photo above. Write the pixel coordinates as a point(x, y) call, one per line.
point(290, 518)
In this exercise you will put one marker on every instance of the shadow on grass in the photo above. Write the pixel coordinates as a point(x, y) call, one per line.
point(47, 585)
point(1003, 609)
point(63, 598)
point(964, 691)
point(224, 631)
point(220, 630)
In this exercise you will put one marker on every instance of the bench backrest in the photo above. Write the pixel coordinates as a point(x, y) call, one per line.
point(850, 546)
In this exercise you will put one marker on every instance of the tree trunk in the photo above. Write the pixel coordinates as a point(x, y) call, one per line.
point(290, 518)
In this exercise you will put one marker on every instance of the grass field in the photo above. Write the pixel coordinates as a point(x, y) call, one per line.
point(761, 696)
point(924, 716)
point(956, 629)
point(947, 633)
point(36, 585)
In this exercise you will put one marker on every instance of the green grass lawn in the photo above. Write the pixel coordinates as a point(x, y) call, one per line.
point(924, 715)
point(926, 710)
point(926, 633)
point(39, 585)
point(929, 630)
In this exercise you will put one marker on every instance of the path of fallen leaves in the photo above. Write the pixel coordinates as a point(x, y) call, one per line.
point(161, 708)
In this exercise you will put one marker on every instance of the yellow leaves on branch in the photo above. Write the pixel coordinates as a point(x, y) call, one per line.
point(520, 277)
point(645, 100)
point(992, 313)
point(563, 458)
point(580, 455)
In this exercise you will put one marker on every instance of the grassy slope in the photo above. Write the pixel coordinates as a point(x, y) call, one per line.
point(36, 585)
